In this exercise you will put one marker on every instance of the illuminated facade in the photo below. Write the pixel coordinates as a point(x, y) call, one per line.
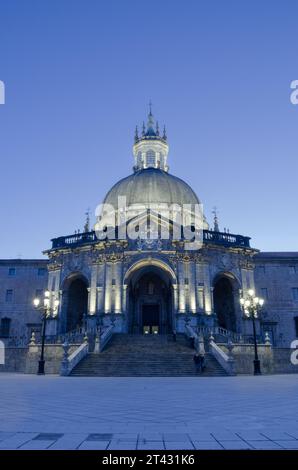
point(147, 283)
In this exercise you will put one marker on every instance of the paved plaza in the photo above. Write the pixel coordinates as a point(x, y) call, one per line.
point(54, 412)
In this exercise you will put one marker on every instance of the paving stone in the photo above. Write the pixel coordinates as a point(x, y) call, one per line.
point(288, 444)
point(293, 433)
point(235, 445)
point(251, 435)
point(123, 446)
point(36, 445)
point(207, 445)
point(223, 435)
point(275, 435)
point(154, 445)
point(184, 445)
point(150, 436)
point(175, 437)
point(201, 436)
point(6, 435)
point(264, 445)
point(17, 440)
point(94, 445)
point(69, 441)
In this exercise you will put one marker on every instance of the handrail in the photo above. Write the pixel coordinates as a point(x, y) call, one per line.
point(69, 363)
point(218, 330)
point(225, 360)
point(105, 337)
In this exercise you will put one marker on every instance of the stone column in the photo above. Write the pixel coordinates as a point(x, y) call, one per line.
point(92, 302)
point(100, 287)
point(108, 289)
point(182, 300)
point(53, 287)
point(124, 298)
point(117, 287)
point(244, 280)
point(199, 268)
point(207, 290)
point(100, 299)
point(192, 287)
point(200, 297)
point(175, 298)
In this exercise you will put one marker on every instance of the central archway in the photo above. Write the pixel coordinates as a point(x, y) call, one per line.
point(150, 301)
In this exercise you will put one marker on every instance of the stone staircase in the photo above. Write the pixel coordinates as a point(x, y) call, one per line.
point(145, 356)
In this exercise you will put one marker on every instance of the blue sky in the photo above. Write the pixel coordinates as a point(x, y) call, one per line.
point(79, 75)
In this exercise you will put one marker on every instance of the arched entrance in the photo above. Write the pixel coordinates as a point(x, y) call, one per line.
point(150, 302)
point(75, 302)
point(224, 302)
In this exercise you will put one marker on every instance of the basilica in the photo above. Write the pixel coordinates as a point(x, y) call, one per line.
point(152, 264)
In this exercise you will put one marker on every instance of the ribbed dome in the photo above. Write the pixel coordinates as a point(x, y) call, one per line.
point(151, 185)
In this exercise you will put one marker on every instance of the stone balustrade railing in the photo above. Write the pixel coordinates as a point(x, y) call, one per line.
point(69, 362)
point(206, 331)
point(102, 339)
point(209, 236)
point(226, 361)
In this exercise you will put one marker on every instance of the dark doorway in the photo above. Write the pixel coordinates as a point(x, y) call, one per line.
point(150, 319)
point(150, 303)
point(77, 304)
point(224, 304)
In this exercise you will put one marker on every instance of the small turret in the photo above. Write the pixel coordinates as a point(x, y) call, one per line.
point(215, 220)
point(150, 149)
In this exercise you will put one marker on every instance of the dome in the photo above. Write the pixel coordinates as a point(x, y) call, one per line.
point(151, 186)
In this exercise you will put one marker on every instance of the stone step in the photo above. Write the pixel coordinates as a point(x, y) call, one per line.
point(145, 356)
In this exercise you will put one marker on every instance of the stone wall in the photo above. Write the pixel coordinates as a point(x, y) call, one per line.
point(273, 360)
point(244, 356)
point(25, 360)
point(15, 360)
point(282, 361)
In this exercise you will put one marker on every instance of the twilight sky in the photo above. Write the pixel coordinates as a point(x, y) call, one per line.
point(79, 75)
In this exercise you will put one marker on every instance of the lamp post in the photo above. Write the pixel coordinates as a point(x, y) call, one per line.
point(46, 309)
point(251, 305)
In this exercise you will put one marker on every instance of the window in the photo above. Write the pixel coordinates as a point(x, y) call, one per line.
point(295, 293)
point(293, 269)
point(41, 271)
point(261, 269)
point(113, 282)
point(9, 295)
point(150, 158)
point(264, 293)
point(186, 281)
point(296, 326)
point(4, 328)
point(12, 271)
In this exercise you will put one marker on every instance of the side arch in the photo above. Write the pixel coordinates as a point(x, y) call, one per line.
point(74, 305)
point(225, 299)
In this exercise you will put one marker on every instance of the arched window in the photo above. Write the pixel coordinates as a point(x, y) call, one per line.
point(150, 158)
